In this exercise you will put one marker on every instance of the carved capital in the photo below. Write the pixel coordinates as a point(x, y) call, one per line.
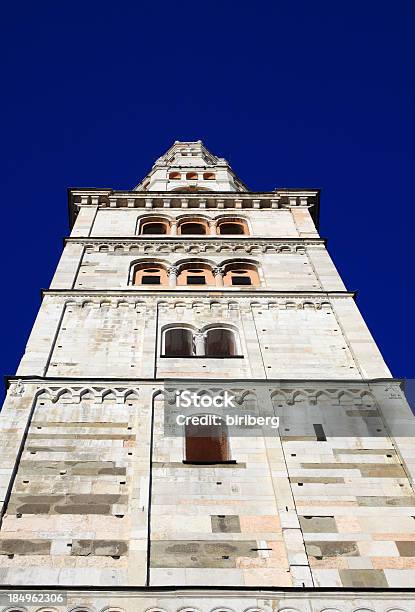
point(173, 271)
point(17, 389)
point(218, 271)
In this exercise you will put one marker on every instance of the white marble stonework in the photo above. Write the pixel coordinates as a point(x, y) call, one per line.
point(96, 499)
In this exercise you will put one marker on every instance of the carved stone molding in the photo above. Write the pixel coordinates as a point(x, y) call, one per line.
point(281, 198)
point(168, 246)
point(285, 392)
point(173, 300)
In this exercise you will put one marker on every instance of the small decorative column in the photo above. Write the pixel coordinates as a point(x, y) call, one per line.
point(199, 339)
point(212, 228)
point(218, 273)
point(173, 228)
point(173, 273)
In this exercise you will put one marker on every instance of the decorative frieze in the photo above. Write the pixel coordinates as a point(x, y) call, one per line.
point(141, 245)
point(289, 392)
point(279, 198)
point(170, 299)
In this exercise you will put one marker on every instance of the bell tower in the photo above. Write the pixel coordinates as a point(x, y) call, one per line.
point(190, 282)
point(189, 166)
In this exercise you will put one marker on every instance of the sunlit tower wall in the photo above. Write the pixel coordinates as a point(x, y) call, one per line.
point(192, 277)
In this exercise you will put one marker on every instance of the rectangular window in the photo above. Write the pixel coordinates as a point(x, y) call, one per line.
point(150, 280)
point(319, 431)
point(241, 280)
point(196, 280)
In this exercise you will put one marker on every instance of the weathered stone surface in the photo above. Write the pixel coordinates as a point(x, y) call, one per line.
point(93, 468)
point(64, 504)
point(226, 524)
point(332, 549)
point(24, 547)
point(378, 500)
point(201, 554)
point(318, 524)
point(363, 578)
point(406, 548)
point(110, 548)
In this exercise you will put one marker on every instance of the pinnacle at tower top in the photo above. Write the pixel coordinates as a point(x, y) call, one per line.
point(189, 166)
point(189, 176)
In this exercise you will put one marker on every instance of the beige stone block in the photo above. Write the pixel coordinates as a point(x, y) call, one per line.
point(267, 577)
point(260, 524)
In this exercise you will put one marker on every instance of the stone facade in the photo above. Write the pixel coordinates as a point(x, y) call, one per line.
point(94, 497)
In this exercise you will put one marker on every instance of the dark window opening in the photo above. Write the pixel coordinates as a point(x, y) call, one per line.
point(207, 443)
point(319, 431)
point(150, 280)
point(154, 228)
point(178, 342)
point(220, 343)
point(196, 280)
point(192, 228)
point(241, 280)
point(231, 228)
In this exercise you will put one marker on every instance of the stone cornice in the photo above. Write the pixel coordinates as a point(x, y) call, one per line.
point(146, 302)
point(144, 245)
point(30, 379)
point(191, 239)
point(212, 294)
point(208, 200)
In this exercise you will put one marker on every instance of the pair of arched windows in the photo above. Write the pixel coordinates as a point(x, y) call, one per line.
point(192, 226)
point(196, 274)
point(185, 341)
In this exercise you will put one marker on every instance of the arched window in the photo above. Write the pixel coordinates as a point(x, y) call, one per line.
point(196, 274)
point(175, 176)
point(231, 227)
point(220, 342)
point(178, 342)
point(192, 227)
point(207, 443)
point(182, 340)
point(191, 176)
point(149, 273)
point(241, 274)
point(209, 176)
point(154, 225)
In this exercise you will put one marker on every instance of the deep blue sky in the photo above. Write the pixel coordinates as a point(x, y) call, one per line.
point(317, 94)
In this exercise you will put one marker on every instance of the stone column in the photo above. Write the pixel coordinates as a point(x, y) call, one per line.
point(199, 340)
point(218, 273)
point(173, 228)
point(173, 273)
point(212, 228)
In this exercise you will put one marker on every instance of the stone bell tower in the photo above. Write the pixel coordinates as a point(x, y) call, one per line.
point(191, 279)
